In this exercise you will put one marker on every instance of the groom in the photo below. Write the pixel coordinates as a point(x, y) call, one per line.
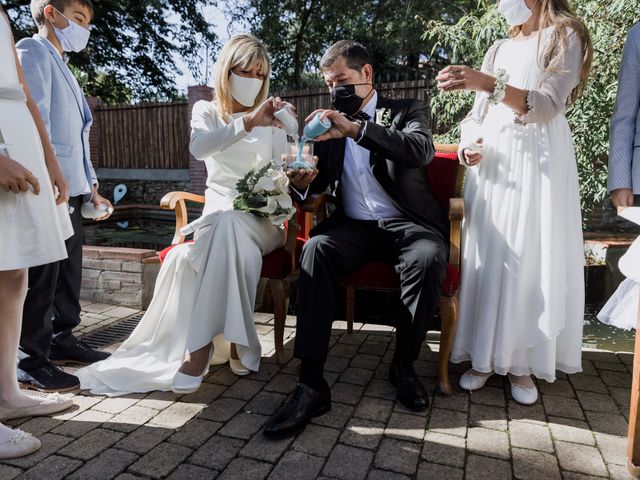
point(385, 209)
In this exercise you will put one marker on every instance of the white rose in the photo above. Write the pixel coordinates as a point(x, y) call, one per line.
point(284, 200)
point(265, 183)
point(281, 182)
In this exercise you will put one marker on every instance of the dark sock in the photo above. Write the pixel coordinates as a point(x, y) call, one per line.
point(312, 374)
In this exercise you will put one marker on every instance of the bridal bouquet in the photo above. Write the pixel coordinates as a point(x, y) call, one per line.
point(265, 192)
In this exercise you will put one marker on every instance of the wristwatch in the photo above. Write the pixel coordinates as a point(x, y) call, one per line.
point(362, 130)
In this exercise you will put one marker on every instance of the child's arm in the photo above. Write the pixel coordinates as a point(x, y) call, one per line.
point(55, 172)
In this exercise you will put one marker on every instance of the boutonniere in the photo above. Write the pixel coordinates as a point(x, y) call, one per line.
point(383, 117)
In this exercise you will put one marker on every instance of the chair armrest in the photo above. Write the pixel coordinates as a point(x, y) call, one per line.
point(315, 205)
point(456, 215)
point(316, 202)
point(177, 201)
point(456, 209)
point(170, 200)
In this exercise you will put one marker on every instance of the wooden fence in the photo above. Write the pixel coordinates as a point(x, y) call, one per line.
point(152, 135)
point(157, 135)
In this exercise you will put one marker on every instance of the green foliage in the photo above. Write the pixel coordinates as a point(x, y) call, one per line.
point(298, 31)
point(131, 54)
point(468, 40)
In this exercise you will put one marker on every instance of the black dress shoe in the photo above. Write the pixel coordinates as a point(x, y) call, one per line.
point(48, 378)
point(304, 404)
point(77, 352)
point(411, 392)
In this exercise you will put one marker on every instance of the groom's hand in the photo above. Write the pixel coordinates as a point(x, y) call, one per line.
point(301, 179)
point(341, 126)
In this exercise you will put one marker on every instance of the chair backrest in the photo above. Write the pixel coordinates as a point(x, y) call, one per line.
point(445, 174)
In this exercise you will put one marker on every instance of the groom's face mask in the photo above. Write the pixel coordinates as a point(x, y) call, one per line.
point(349, 88)
point(345, 100)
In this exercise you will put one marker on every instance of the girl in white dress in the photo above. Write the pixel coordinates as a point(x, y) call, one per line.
point(206, 290)
point(33, 230)
point(522, 294)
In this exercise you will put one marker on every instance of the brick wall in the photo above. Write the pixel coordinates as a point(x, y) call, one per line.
point(197, 168)
point(119, 276)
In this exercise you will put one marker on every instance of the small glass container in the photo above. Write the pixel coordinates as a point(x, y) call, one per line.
point(303, 160)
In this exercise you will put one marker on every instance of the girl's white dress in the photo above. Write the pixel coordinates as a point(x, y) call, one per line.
point(522, 285)
point(32, 228)
point(205, 290)
point(621, 310)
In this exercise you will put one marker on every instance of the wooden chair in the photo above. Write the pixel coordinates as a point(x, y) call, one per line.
point(446, 179)
point(276, 266)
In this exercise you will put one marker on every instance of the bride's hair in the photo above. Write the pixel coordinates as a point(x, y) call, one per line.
point(560, 15)
point(241, 51)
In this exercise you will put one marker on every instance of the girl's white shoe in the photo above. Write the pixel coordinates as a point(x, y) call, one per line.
point(19, 444)
point(53, 403)
point(523, 394)
point(472, 380)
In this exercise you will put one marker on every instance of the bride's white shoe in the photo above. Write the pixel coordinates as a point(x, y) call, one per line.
point(19, 444)
point(183, 383)
point(237, 367)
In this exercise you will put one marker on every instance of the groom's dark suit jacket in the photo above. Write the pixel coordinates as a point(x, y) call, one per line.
point(399, 155)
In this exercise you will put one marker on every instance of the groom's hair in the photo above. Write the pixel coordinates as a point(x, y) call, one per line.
point(38, 6)
point(354, 54)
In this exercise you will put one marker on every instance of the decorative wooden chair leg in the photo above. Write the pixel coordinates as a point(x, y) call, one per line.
point(351, 308)
point(449, 316)
point(280, 297)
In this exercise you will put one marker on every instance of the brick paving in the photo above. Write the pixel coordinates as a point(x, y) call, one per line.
point(577, 429)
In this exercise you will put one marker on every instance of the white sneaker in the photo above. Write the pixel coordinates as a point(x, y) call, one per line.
point(522, 394)
point(472, 380)
point(19, 445)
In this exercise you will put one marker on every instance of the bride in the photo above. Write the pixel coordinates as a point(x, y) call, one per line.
point(202, 310)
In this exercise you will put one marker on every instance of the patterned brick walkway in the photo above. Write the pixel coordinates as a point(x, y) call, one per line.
point(576, 430)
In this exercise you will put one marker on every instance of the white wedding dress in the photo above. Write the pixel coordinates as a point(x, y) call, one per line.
point(522, 285)
point(32, 228)
point(205, 290)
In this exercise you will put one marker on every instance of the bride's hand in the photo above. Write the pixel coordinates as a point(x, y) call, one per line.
point(461, 77)
point(263, 115)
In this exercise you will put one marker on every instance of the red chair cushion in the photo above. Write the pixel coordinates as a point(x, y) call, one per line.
point(442, 174)
point(382, 276)
point(275, 265)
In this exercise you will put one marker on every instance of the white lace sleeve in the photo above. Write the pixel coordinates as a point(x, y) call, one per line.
point(551, 96)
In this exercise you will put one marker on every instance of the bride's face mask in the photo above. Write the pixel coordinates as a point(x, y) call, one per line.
point(246, 85)
point(515, 12)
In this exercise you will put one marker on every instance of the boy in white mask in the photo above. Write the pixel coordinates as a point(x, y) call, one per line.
point(52, 306)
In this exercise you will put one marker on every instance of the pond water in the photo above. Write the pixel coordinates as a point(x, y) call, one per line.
point(134, 233)
point(605, 337)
